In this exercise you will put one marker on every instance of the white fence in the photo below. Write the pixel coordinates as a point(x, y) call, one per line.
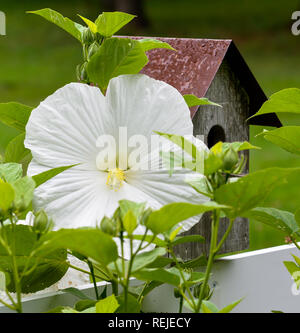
point(259, 276)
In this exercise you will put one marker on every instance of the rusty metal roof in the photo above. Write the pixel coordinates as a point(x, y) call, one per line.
point(193, 67)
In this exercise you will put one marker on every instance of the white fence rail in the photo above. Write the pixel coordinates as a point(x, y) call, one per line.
point(258, 276)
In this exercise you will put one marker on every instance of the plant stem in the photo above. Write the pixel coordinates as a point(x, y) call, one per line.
point(213, 242)
point(94, 279)
point(217, 249)
point(182, 276)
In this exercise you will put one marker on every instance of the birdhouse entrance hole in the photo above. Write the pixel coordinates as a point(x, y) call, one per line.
point(215, 135)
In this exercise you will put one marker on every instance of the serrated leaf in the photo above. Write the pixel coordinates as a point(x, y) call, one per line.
point(201, 185)
point(15, 115)
point(108, 23)
point(64, 23)
point(192, 100)
point(115, 57)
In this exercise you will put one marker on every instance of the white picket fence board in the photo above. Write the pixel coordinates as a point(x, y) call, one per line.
point(258, 276)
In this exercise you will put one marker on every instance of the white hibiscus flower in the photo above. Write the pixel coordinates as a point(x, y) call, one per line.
point(64, 128)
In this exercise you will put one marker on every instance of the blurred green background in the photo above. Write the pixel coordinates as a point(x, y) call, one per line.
point(37, 57)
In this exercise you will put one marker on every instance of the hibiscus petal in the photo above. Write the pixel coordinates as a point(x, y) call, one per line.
point(167, 189)
point(145, 105)
point(64, 128)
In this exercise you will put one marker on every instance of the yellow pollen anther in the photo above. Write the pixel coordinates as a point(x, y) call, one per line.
point(115, 178)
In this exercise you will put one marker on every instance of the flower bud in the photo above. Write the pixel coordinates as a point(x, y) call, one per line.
point(93, 48)
point(177, 293)
point(230, 159)
point(108, 226)
point(87, 37)
point(41, 222)
point(83, 72)
point(145, 215)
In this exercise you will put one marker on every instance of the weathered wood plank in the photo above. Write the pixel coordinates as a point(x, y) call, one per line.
point(226, 90)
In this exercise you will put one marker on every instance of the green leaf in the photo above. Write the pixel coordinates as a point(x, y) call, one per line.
point(108, 23)
point(76, 292)
point(279, 219)
point(15, 115)
point(230, 307)
point(107, 305)
point(42, 271)
point(41, 178)
point(130, 222)
point(238, 146)
point(169, 215)
point(133, 306)
point(188, 147)
point(192, 100)
point(90, 24)
point(2, 281)
point(287, 138)
point(92, 243)
point(294, 270)
point(157, 274)
point(65, 23)
point(24, 188)
point(284, 101)
point(188, 239)
point(10, 172)
point(209, 307)
point(134, 207)
point(7, 195)
point(16, 152)
point(150, 238)
point(150, 44)
point(201, 185)
point(146, 258)
point(212, 163)
point(85, 304)
point(115, 57)
point(249, 191)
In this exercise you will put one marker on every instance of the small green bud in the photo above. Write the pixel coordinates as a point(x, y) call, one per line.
point(83, 72)
point(41, 222)
point(145, 216)
point(230, 159)
point(197, 290)
point(78, 72)
point(177, 293)
point(87, 37)
point(93, 48)
point(108, 226)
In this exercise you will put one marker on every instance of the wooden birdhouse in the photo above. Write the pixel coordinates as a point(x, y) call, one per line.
point(214, 69)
